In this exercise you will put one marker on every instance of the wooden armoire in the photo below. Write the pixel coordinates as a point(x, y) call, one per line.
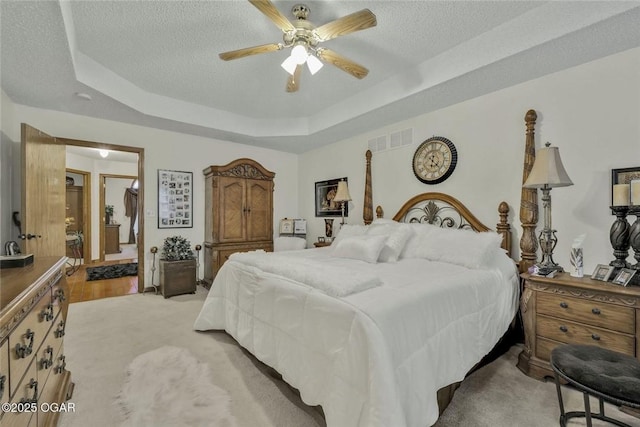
point(238, 212)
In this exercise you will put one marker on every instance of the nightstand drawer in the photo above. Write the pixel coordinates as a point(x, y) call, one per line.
point(608, 316)
point(577, 333)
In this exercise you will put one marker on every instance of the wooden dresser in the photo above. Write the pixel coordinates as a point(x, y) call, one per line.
point(33, 313)
point(238, 212)
point(571, 310)
point(112, 239)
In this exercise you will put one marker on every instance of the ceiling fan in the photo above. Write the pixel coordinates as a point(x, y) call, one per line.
point(304, 39)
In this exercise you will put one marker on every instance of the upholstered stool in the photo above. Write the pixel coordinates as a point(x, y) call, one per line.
point(610, 376)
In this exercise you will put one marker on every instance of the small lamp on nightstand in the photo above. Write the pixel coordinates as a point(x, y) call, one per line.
point(342, 196)
point(547, 172)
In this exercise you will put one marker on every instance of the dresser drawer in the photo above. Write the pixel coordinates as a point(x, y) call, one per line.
point(27, 337)
point(577, 333)
point(608, 316)
point(4, 372)
point(25, 390)
point(46, 355)
point(50, 390)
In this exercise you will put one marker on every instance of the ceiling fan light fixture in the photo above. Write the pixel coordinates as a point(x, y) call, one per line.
point(299, 54)
point(103, 153)
point(289, 65)
point(314, 64)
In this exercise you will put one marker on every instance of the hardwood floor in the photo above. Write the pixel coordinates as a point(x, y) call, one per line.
point(81, 290)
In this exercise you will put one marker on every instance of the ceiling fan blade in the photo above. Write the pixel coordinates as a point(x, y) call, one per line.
point(266, 7)
point(247, 51)
point(347, 24)
point(293, 84)
point(343, 63)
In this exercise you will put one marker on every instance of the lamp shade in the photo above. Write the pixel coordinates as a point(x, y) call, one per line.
point(342, 195)
point(548, 170)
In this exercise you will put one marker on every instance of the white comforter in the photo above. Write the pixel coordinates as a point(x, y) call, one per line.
point(372, 358)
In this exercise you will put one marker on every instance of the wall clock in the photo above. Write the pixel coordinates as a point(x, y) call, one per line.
point(434, 160)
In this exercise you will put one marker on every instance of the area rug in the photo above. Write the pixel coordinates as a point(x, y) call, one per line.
point(170, 387)
point(112, 271)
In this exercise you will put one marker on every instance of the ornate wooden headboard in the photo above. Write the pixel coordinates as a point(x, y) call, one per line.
point(444, 210)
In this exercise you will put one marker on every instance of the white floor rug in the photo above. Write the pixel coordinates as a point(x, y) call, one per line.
point(170, 387)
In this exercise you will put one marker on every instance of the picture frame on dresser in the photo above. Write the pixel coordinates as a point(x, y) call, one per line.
point(602, 272)
point(175, 199)
point(624, 276)
point(624, 176)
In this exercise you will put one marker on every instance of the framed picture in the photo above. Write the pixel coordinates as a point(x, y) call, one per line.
point(624, 276)
point(602, 272)
point(286, 226)
point(321, 239)
point(325, 192)
point(175, 199)
point(624, 176)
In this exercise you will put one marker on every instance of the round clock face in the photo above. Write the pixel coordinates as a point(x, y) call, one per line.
point(434, 160)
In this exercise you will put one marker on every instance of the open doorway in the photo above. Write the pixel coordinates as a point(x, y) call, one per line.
point(111, 160)
point(78, 216)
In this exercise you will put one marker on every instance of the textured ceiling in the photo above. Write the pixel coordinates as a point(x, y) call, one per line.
point(155, 63)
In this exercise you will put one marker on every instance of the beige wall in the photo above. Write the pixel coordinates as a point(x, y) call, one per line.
point(163, 150)
point(591, 112)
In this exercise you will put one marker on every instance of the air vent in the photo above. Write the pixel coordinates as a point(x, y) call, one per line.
point(394, 140)
point(378, 144)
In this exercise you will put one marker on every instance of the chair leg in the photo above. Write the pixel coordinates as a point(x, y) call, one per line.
point(587, 409)
point(560, 403)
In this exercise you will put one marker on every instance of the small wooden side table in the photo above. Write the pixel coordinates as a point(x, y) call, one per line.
point(321, 244)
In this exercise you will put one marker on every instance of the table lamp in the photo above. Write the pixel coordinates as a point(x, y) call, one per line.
point(547, 172)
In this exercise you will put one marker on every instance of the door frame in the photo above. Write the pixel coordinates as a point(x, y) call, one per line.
point(86, 213)
point(140, 152)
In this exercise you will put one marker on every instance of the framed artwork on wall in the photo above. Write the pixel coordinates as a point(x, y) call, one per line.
point(325, 193)
point(175, 199)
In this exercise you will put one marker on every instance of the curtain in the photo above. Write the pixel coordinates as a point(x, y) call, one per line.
point(131, 210)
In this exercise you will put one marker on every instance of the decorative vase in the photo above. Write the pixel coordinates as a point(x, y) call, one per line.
point(328, 227)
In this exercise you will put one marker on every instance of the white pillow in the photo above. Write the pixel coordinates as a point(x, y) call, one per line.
point(397, 236)
point(418, 237)
point(365, 248)
point(349, 230)
point(463, 247)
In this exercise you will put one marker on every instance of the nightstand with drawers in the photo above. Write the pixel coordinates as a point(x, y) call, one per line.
point(569, 310)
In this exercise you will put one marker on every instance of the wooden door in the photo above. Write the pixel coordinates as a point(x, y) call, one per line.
point(232, 209)
point(43, 194)
point(260, 210)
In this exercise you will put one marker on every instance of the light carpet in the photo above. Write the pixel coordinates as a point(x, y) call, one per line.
point(104, 336)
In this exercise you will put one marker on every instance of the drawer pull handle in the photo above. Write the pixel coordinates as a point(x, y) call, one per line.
point(3, 380)
point(47, 313)
point(564, 304)
point(59, 332)
point(62, 366)
point(34, 385)
point(59, 295)
point(45, 363)
point(23, 351)
point(595, 337)
point(563, 328)
point(595, 310)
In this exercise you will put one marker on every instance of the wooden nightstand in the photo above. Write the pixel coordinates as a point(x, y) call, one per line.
point(321, 244)
point(572, 310)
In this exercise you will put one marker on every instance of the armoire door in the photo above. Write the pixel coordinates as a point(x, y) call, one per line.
point(232, 209)
point(260, 211)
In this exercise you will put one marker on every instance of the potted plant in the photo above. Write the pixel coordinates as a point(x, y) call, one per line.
point(177, 267)
point(108, 213)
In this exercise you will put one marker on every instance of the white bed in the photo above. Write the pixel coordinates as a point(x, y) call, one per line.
point(378, 356)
